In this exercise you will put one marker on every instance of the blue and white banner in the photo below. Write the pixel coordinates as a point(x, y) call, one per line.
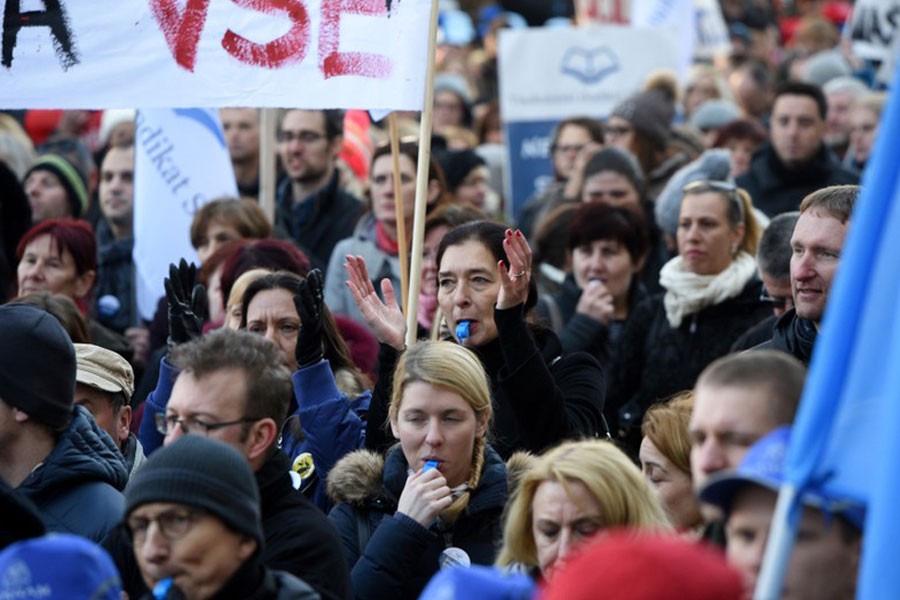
point(581, 71)
point(181, 162)
point(675, 15)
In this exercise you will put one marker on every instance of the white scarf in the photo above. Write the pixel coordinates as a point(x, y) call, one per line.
point(688, 293)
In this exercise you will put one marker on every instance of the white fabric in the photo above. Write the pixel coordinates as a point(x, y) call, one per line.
point(688, 293)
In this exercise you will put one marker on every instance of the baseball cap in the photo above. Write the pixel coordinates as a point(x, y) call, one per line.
point(104, 370)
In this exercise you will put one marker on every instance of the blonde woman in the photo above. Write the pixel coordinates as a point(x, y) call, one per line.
point(437, 497)
point(569, 494)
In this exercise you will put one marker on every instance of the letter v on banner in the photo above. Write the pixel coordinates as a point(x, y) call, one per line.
point(847, 433)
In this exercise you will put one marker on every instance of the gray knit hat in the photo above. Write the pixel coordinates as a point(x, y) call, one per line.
point(713, 165)
point(650, 113)
point(37, 364)
point(203, 473)
point(714, 114)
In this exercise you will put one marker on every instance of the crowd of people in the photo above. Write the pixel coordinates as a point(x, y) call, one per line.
point(605, 377)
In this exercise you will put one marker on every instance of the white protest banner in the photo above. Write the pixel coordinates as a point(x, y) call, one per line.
point(872, 28)
point(676, 15)
point(602, 12)
point(581, 71)
point(181, 162)
point(185, 53)
point(711, 37)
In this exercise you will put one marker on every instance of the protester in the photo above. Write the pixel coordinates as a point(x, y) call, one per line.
point(864, 120)
point(825, 558)
point(224, 219)
point(468, 178)
point(241, 129)
point(841, 94)
point(540, 397)
point(741, 137)
point(53, 453)
point(665, 456)
point(64, 309)
point(55, 189)
point(567, 496)
point(436, 499)
point(194, 520)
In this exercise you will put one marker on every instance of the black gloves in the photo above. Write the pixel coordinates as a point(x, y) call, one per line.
point(310, 304)
point(186, 315)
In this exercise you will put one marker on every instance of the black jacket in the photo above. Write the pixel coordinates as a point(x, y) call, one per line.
point(399, 555)
point(319, 222)
point(540, 395)
point(657, 360)
point(298, 538)
point(775, 188)
point(794, 335)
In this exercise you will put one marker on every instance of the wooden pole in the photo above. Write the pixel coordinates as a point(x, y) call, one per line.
point(418, 236)
point(267, 174)
point(400, 209)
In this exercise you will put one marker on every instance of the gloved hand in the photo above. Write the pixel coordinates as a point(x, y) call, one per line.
point(310, 304)
point(186, 315)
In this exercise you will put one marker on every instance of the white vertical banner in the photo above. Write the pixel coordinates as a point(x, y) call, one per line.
point(675, 15)
point(712, 32)
point(181, 162)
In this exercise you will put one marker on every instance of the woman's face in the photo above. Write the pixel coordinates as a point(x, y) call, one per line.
point(46, 196)
point(214, 294)
point(863, 127)
point(433, 239)
point(741, 150)
point(272, 314)
point(217, 235)
point(473, 190)
point(703, 89)
point(382, 189)
point(619, 133)
point(563, 518)
point(672, 486)
point(44, 268)
point(706, 240)
point(610, 188)
point(607, 261)
point(468, 286)
point(436, 423)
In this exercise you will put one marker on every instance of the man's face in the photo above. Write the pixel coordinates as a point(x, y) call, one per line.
point(837, 121)
point(306, 153)
point(572, 139)
point(725, 422)
point(241, 127)
point(117, 185)
point(822, 565)
point(195, 549)
point(780, 291)
point(815, 255)
point(218, 397)
point(797, 129)
point(101, 406)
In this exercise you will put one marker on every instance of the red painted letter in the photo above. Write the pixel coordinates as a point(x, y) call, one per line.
point(181, 30)
point(291, 47)
point(333, 63)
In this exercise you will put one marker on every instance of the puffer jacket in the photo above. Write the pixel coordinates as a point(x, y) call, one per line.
point(794, 335)
point(78, 486)
point(390, 554)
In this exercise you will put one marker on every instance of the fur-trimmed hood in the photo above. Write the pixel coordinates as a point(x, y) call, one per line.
point(356, 478)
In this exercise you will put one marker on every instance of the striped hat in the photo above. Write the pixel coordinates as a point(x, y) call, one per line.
point(71, 180)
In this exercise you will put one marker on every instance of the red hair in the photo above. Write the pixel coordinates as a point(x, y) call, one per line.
point(72, 235)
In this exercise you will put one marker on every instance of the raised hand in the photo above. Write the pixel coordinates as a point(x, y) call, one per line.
point(424, 496)
point(514, 280)
point(186, 313)
point(596, 302)
point(310, 304)
point(384, 318)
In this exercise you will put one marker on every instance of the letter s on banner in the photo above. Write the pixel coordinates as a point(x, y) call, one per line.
point(291, 47)
point(333, 63)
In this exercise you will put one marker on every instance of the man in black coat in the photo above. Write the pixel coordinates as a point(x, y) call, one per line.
point(795, 161)
point(232, 387)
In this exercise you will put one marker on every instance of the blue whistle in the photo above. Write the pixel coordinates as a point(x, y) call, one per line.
point(161, 589)
point(462, 330)
point(431, 464)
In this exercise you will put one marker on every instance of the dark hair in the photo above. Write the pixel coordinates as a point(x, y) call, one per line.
point(491, 235)
point(411, 151)
point(799, 88)
point(269, 389)
point(774, 253)
point(740, 129)
point(275, 255)
point(70, 235)
point(836, 201)
point(64, 309)
point(336, 351)
point(618, 161)
point(245, 216)
point(333, 118)
point(589, 124)
point(595, 221)
point(453, 215)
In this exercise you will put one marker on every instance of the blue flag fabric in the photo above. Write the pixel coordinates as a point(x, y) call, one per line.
point(847, 433)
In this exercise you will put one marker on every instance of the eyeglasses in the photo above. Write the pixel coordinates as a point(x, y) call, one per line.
point(776, 302)
point(617, 131)
point(304, 137)
point(572, 149)
point(173, 524)
point(165, 424)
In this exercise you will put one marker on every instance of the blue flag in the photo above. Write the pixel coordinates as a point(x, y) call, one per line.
point(847, 432)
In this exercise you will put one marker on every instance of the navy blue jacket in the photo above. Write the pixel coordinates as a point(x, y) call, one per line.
point(115, 305)
point(78, 486)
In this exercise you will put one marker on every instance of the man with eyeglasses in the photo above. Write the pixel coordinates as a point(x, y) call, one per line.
point(232, 387)
point(195, 525)
point(816, 245)
point(311, 204)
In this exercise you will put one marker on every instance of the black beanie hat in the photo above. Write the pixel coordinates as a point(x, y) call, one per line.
point(457, 164)
point(203, 473)
point(69, 177)
point(37, 364)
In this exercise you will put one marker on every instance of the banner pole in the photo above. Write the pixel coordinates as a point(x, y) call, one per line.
point(399, 208)
point(267, 183)
point(418, 236)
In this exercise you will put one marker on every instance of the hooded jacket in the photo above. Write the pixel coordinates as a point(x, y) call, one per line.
point(78, 486)
point(794, 335)
point(398, 555)
point(775, 188)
